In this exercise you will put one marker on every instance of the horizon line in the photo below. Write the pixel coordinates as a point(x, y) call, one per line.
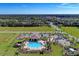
point(39, 14)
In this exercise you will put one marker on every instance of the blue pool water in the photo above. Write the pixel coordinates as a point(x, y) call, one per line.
point(34, 44)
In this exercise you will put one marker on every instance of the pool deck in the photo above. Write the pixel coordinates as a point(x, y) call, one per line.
point(30, 49)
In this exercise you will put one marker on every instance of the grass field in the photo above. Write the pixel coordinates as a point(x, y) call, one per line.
point(56, 50)
point(74, 31)
point(6, 42)
point(36, 29)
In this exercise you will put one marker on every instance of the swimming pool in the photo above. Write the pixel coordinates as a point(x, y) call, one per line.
point(34, 45)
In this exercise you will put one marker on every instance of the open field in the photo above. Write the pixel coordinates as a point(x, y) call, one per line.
point(36, 29)
point(6, 43)
point(56, 50)
point(74, 31)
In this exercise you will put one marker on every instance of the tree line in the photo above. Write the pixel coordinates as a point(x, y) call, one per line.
point(39, 20)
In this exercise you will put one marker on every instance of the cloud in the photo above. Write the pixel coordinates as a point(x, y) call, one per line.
point(69, 5)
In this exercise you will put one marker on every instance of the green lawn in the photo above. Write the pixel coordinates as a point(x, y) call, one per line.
point(57, 50)
point(6, 42)
point(39, 29)
point(74, 31)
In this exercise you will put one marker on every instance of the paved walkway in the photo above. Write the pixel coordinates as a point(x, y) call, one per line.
point(71, 36)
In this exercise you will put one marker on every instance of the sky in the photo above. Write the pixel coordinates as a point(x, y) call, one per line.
point(39, 8)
